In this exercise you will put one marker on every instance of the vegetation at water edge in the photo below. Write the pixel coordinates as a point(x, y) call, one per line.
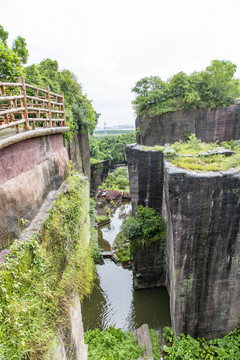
point(184, 347)
point(112, 344)
point(147, 227)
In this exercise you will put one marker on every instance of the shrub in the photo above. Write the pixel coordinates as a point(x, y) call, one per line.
point(148, 226)
point(112, 344)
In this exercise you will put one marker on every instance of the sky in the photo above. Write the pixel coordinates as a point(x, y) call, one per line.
point(110, 45)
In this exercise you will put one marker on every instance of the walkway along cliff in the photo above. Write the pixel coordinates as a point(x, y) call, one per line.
point(34, 164)
point(199, 260)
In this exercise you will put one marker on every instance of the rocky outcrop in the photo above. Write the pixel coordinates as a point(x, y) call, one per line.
point(150, 265)
point(29, 171)
point(145, 168)
point(203, 221)
point(99, 173)
point(70, 340)
point(78, 152)
point(201, 253)
point(209, 125)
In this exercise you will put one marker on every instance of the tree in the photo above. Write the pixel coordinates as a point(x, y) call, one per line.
point(19, 47)
point(10, 63)
point(213, 87)
point(3, 36)
point(79, 110)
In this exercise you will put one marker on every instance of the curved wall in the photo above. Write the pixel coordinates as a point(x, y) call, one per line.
point(28, 171)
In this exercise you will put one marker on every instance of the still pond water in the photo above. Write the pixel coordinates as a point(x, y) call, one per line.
point(114, 300)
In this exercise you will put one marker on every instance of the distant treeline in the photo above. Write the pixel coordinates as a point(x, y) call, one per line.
point(101, 133)
point(111, 147)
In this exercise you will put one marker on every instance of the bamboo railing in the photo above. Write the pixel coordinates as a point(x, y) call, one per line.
point(29, 107)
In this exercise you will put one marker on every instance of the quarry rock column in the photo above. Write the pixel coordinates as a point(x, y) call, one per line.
point(145, 167)
point(203, 250)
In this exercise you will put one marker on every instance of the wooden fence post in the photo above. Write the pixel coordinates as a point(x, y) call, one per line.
point(24, 103)
point(49, 105)
point(63, 109)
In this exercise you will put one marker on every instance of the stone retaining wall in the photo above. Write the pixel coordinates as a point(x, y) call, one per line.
point(29, 170)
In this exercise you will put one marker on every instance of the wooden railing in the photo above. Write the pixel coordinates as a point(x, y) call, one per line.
point(28, 107)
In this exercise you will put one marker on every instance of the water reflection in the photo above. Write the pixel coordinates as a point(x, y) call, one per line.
point(111, 230)
point(114, 301)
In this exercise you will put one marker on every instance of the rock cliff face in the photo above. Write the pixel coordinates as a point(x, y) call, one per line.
point(99, 173)
point(145, 169)
point(201, 253)
point(29, 170)
point(209, 125)
point(78, 152)
point(150, 266)
point(203, 221)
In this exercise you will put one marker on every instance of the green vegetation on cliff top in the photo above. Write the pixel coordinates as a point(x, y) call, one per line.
point(212, 88)
point(202, 156)
point(211, 162)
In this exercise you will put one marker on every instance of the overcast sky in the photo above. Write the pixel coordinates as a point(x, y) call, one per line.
point(110, 45)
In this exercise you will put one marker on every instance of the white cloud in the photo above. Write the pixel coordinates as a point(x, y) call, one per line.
point(110, 45)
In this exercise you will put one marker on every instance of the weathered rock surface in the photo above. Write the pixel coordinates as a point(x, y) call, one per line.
point(29, 171)
point(209, 125)
point(78, 152)
point(203, 220)
point(150, 265)
point(145, 169)
point(201, 255)
point(99, 173)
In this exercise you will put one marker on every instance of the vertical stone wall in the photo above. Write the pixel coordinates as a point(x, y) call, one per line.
point(29, 170)
point(201, 253)
point(209, 125)
point(203, 221)
point(145, 169)
point(99, 173)
point(150, 266)
point(78, 152)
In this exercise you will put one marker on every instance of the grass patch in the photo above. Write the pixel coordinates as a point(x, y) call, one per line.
point(112, 344)
point(216, 162)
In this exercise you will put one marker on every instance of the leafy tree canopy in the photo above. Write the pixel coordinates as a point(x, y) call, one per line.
point(11, 60)
point(211, 88)
point(19, 47)
point(79, 110)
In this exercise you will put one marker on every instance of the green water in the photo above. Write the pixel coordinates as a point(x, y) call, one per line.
point(114, 301)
